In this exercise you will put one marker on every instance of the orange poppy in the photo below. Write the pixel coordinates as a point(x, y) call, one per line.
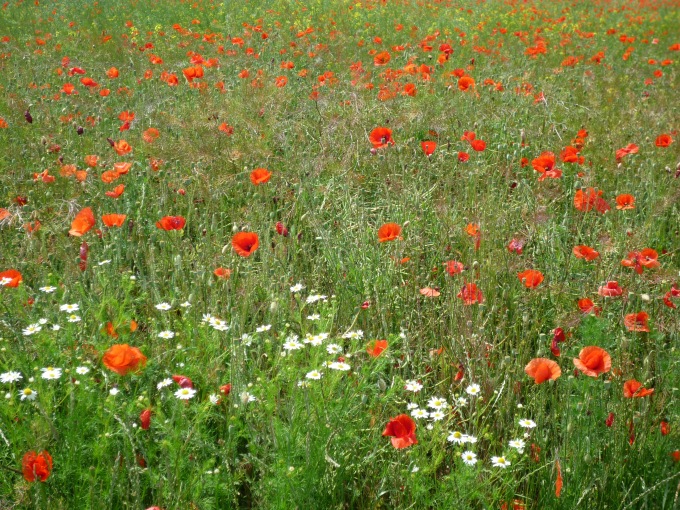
point(10, 278)
point(430, 292)
point(126, 116)
point(112, 73)
point(478, 145)
point(91, 160)
point(663, 140)
point(245, 243)
point(389, 232)
point(587, 306)
point(36, 466)
point(610, 289)
point(402, 429)
point(381, 137)
point(428, 147)
point(634, 389)
point(260, 176)
point(376, 348)
point(453, 267)
point(585, 252)
point(593, 361)
point(466, 83)
point(82, 223)
point(123, 359)
point(590, 198)
point(545, 165)
point(109, 176)
point(637, 321)
point(116, 192)
point(470, 294)
point(110, 330)
point(113, 220)
point(122, 167)
point(222, 272)
point(631, 148)
point(122, 147)
point(382, 58)
point(625, 202)
point(150, 135)
point(542, 369)
point(530, 278)
point(281, 81)
point(472, 229)
point(646, 258)
point(171, 223)
point(4, 214)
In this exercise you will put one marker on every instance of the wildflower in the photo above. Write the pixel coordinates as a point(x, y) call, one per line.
point(517, 444)
point(593, 361)
point(500, 462)
point(123, 359)
point(314, 317)
point(296, 288)
point(262, 329)
point(171, 223)
point(413, 386)
point(527, 424)
point(36, 466)
point(186, 304)
point(354, 335)
point(418, 413)
point(381, 137)
point(48, 289)
point(164, 383)
point(163, 307)
point(260, 176)
point(114, 391)
point(10, 377)
point(82, 370)
point(437, 403)
point(69, 307)
point(245, 243)
point(402, 429)
point(470, 294)
point(461, 402)
point(31, 329)
point(333, 349)
point(11, 277)
point(389, 232)
point(82, 223)
point(376, 348)
point(456, 437)
point(437, 415)
point(185, 393)
point(314, 374)
point(585, 252)
point(145, 419)
point(637, 321)
point(531, 278)
point(50, 373)
point(469, 439)
point(247, 397)
point(28, 394)
point(610, 289)
point(542, 369)
point(292, 344)
point(167, 335)
point(634, 389)
point(214, 399)
point(473, 390)
point(339, 365)
point(469, 458)
point(74, 318)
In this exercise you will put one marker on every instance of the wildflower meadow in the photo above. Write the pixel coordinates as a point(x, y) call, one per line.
point(340, 254)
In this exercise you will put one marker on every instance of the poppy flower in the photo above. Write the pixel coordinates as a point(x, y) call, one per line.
point(673, 293)
point(545, 165)
point(663, 140)
point(151, 135)
point(183, 381)
point(610, 420)
point(281, 81)
point(585, 252)
point(122, 147)
point(429, 292)
point(646, 258)
point(402, 429)
point(245, 243)
point(389, 232)
point(530, 278)
point(10, 278)
point(631, 148)
point(625, 202)
point(36, 466)
point(116, 192)
point(381, 137)
point(381, 59)
point(665, 428)
point(570, 155)
point(478, 145)
point(593, 361)
point(260, 176)
point(82, 223)
point(112, 73)
point(516, 246)
point(466, 83)
point(123, 359)
point(463, 157)
point(171, 223)
point(637, 321)
point(113, 220)
point(590, 198)
point(145, 419)
point(470, 294)
point(587, 306)
point(453, 267)
point(428, 147)
point(222, 272)
point(542, 369)
point(634, 389)
point(376, 348)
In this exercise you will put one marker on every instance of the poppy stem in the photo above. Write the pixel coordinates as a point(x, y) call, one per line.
point(11, 469)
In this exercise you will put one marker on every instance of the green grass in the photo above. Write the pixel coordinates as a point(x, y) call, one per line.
point(320, 444)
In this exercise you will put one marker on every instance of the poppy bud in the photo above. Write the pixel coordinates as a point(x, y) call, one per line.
point(145, 419)
point(80, 130)
point(225, 389)
point(610, 420)
point(183, 381)
point(665, 429)
point(28, 117)
point(365, 305)
point(281, 229)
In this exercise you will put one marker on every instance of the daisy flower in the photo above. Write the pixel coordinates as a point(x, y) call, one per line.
point(456, 437)
point(28, 394)
point(163, 307)
point(333, 349)
point(473, 390)
point(314, 317)
point(437, 415)
point(354, 335)
point(437, 403)
point(517, 444)
point(262, 329)
point(50, 373)
point(314, 374)
point(339, 365)
point(10, 377)
point(292, 345)
point(73, 318)
point(164, 383)
point(469, 458)
point(297, 288)
point(47, 289)
point(31, 329)
point(500, 462)
point(82, 370)
point(166, 335)
point(411, 406)
point(418, 413)
point(70, 307)
point(214, 399)
point(185, 393)
point(413, 386)
point(527, 424)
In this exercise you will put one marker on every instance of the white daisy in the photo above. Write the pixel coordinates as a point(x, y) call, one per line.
point(56, 327)
point(166, 335)
point(469, 458)
point(314, 374)
point(527, 424)
point(314, 298)
point(28, 394)
point(413, 386)
point(163, 307)
point(31, 329)
point(11, 377)
point(411, 406)
point(473, 390)
point(246, 339)
point(339, 365)
point(263, 328)
point(437, 403)
point(104, 262)
point(500, 462)
point(186, 304)
point(333, 349)
point(48, 289)
point(214, 399)
point(419, 413)
point(314, 317)
point(456, 437)
point(82, 370)
point(164, 383)
point(114, 391)
point(5, 281)
point(469, 439)
point(437, 415)
point(70, 308)
point(185, 393)
point(296, 288)
point(206, 317)
point(42, 322)
point(518, 445)
point(292, 345)
point(248, 397)
point(50, 373)
point(461, 401)
point(354, 335)
point(73, 318)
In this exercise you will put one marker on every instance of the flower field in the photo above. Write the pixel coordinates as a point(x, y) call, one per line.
point(340, 254)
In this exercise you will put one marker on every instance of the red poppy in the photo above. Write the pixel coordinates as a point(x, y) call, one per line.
point(381, 137)
point(587, 306)
point(570, 155)
point(625, 202)
point(530, 278)
point(116, 192)
point(593, 361)
point(637, 321)
point(610, 420)
point(545, 165)
point(171, 223)
point(402, 429)
point(428, 147)
point(610, 289)
point(389, 232)
point(245, 243)
point(281, 81)
point(82, 223)
point(631, 148)
point(36, 466)
point(665, 428)
point(145, 419)
point(516, 246)
point(463, 157)
point(10, 278)
point(470, 294)
point(382, 58)
point(542, 369)
point(260, 176)
point(113, 220)
point(671, 294)
point(466, 83)
point(634, 389)
point(646, 258)
point(590, 198)
point(112, 73)
point(478, 145)
point(376, 348)
point(150, 135)
point(123, 359)
point(663, 140)
point(585, 252)
point(222, 272)
point(183, 381)
point(453, 267)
